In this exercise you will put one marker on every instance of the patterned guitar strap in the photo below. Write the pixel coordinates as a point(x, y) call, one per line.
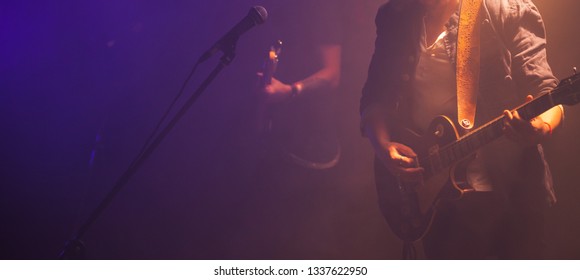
point(468, 50)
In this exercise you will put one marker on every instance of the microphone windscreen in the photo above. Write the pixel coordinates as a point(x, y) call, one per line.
point(259, 14)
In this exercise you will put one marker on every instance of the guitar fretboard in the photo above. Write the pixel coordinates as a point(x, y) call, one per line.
point(483, 135)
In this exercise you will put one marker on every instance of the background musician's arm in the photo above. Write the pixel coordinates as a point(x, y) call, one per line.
point(327, 77)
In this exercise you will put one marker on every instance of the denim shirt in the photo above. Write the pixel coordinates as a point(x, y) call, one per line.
point(513, 65)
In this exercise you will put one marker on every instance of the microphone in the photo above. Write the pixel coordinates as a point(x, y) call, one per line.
point(256, 15)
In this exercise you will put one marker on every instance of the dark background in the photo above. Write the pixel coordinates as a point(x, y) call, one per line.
point(71, 71)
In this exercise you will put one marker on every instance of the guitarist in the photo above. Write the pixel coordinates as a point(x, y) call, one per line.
point(412, 79)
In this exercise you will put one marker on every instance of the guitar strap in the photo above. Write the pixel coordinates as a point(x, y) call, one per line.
point(468, 50)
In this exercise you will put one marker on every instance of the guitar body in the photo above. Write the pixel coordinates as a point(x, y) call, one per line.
point(409, 207)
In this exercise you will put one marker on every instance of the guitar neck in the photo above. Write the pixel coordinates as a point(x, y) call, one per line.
point(471, 142)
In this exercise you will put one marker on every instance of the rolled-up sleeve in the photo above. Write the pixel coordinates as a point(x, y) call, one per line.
point(525, 35)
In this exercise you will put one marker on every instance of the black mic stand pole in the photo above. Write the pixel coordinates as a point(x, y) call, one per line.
point(74, 248)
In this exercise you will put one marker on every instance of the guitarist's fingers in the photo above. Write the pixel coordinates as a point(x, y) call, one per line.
point(397, 157)
point(516, 122)
point(508, 128)
point(398, 150)
point(521, 131)
point(529, 98)
point(406, 151)
point(400, 161)
point(405, 161)
point(394, 161)
point(510, 123)
point(521, 125)
point(517, 118)
point(513, 121)
point(396, 154)
point(393, 152)
point(508, 115)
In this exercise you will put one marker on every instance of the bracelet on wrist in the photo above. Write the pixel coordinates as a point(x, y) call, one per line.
point(296, 89)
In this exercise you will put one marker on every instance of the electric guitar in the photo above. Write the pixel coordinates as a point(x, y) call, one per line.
point(409, 208)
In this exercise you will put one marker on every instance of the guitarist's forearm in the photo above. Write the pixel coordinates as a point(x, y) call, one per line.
point(375, 128)
point(552, 118)
point(328, 77)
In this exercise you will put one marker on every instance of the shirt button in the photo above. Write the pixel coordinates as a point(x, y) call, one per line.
point(432, 55)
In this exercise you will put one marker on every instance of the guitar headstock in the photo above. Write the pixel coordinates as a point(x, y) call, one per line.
point(271, 62)
point(276, 49)
point(568, 90)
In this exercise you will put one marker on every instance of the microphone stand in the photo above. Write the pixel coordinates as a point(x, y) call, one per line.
point(75, 248)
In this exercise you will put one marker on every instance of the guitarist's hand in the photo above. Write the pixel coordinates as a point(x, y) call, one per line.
point(525, 132)
point(276, 91)
point(401, 161)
